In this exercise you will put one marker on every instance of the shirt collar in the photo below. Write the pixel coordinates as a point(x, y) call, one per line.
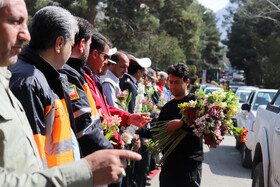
point(112, 76)
point(5, 76)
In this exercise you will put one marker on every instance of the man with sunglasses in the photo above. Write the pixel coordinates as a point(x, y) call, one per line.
point(99, 54)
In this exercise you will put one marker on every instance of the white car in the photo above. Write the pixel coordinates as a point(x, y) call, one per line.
point(204, 85)
point(248, 117)
point(243, 93)
point(209, 89)
point(265, 147)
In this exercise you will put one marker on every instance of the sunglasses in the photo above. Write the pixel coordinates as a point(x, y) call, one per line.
point(106, 57)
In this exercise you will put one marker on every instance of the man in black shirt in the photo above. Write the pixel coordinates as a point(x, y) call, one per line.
point(183, 166)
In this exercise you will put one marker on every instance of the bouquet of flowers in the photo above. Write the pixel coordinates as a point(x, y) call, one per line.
point(150, 145)
point(146, 102)
point(162, 101)
point(208, 116)
point(110, 125)
point(148, 105)
point(127, 134)
point(124, 100)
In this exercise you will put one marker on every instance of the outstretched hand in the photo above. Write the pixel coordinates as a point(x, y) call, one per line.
point(172, 125)
point(107, 165)
point(139, 119)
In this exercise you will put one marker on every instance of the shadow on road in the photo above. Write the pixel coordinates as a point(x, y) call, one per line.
point(225, 160)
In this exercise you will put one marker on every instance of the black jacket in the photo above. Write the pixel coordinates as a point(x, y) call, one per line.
point(43, 92)
point(88, 123)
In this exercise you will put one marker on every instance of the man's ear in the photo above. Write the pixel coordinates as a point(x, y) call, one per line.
point(59, 44)
point(93, 54)
point(187, 82)
point(81, 46)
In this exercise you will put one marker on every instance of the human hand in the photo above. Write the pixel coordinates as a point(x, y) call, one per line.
point(139, 119)
point(122, 146)
point(172, 125)
point(107, 165)
point(159, 107)
point(145, 142)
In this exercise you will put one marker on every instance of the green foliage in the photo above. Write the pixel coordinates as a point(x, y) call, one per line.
point(167, 31)
point(193, 70)
point(164, 50)
point(253, 44)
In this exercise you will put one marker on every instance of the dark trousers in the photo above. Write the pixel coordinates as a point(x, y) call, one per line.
point(187, 175)
point(129, 180)
point(142, 167)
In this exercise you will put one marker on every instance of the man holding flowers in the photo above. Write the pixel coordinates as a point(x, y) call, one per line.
point(183, 166)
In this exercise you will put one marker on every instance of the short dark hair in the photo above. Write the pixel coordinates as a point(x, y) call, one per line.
point(156, 69)
point(179, 70)
point(48, 24)
point(98, 42)
point(134, 67)
point(85, 30)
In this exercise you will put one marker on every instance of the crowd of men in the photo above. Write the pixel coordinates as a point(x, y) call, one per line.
point(52, 95)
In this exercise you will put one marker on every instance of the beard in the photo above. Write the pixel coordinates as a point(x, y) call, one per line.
point(85, 56)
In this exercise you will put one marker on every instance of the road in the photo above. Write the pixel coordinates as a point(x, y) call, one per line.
point(221, 167)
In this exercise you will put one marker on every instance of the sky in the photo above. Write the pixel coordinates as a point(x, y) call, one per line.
point(214, 5)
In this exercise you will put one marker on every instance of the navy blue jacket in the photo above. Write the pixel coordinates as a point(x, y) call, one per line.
point(126, 83)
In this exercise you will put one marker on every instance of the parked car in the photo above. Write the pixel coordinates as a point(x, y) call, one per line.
point(204, 85)
point(265, 147)
point(235, 85)
point(243, 93)
point(248, 118)
point(211, 89)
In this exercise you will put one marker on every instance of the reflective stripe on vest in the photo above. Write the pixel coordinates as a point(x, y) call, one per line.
point(91, 100)
point(56, 145)
point(82, 111)
point(95, 121)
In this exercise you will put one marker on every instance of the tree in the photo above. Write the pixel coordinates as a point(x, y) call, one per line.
point(82, 8)
point(252, 45)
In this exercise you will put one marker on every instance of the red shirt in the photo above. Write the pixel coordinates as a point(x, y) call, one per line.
point(101, 103)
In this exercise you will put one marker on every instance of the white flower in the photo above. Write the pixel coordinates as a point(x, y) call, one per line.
point(128, 133)
point(126, 137)
point(193, 104)
point(223, 105)
point(141, 88)
point(138, 103)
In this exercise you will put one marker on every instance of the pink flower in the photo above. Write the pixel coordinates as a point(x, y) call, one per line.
point(144, 100)
point(150, 102)
point(214, 112)
point(154, 107)
point(124, 93)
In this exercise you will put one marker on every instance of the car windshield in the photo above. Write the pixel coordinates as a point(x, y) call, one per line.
point(263, 98)
point(210, 90)
point(243, 96)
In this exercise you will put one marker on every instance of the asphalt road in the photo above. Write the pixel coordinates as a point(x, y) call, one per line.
point(222, 167)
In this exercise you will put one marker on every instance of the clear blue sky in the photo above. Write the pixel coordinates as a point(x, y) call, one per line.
point(214, 5)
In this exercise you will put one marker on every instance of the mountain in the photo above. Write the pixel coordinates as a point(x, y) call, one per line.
point(220, 17)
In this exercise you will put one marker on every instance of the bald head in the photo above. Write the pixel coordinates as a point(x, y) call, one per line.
point(122, 65)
